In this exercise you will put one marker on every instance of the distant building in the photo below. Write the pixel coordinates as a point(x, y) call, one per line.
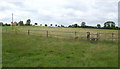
point(1, 23)
point(15, 24)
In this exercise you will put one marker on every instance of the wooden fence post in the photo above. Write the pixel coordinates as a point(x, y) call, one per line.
point(28, 32)
point(97, 35)
point(75, 35)
point(88, 35)
point(47, 33)
point(112, 36)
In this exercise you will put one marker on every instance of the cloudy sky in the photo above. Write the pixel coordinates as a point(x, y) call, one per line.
point(59, 12)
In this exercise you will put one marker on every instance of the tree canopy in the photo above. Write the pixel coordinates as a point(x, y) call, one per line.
point(83, 24)
point(36, 23)
point(21, 23)
point(50, 24)
point(98, 26)
point(109, 25)
point(28, 22)
point(45, 25)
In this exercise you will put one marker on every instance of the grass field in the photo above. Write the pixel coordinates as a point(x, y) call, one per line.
point(66, 33)
point(20, 50)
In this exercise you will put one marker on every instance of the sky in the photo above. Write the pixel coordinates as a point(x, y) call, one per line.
point(61, 12)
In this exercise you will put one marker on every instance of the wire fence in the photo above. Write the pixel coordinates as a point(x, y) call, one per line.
point(77, 35)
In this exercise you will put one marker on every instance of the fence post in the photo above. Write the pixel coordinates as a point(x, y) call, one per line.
point(28, 32)
point(47, 33)
point(97, 35)
point(112, 36)
point(75, 35)
point(88, 35)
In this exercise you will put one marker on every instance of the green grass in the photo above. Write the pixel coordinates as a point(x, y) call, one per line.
point(35, 51)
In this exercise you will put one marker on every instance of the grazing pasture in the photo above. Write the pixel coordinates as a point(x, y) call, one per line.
point(35, 50)
point(66, 33)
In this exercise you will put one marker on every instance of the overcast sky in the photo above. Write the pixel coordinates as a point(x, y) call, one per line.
point(59, 12)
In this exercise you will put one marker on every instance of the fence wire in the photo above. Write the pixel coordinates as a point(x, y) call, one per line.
point(66, 34)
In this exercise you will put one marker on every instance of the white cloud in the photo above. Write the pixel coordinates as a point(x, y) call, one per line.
point(63, 12)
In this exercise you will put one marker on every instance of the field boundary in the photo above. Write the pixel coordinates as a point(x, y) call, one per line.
point(96, 36)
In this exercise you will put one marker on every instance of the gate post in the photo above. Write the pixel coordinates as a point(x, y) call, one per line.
point(88, 35)
point(97, 35)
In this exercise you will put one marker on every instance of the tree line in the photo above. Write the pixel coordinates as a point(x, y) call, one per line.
point(107, 25)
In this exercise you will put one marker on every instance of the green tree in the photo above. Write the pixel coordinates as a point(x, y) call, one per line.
point(75, 25)
point(62, 25)
point(117, 27)
point(70, 26)
point(113, 26)
point(56, 25)
point(105, 25)
point(109, 25)
point(51, 25)
point(83, 24)
point(21, 23)
point(98, 26)
point(6, 24)
point(36, 23)
point(40, 24)
point(45, 25)
point(28, 22)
